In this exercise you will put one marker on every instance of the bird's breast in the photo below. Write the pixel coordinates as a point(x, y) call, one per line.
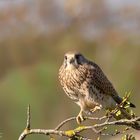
point(71, 81)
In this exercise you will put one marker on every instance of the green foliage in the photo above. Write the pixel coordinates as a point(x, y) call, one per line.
point(124, 104)
point(70, 133)
point(128, 137)
point(118, 113)
point(79, 128)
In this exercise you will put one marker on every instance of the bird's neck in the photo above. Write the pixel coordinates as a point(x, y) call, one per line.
point(71, 67)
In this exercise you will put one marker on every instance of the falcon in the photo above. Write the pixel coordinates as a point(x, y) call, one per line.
point(86, 84)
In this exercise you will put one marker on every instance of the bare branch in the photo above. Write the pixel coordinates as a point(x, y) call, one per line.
point(64, 122)
point(75, 133)
point(74, 118)
point(28, 118)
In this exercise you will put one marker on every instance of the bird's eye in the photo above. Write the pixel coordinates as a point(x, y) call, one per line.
point(65, 57)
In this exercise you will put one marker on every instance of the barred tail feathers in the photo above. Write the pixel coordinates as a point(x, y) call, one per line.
point(118, 100)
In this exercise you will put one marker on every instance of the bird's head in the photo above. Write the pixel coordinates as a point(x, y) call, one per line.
point(73, 60)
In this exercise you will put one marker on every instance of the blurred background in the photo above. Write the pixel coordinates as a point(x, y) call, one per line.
point(35, 34)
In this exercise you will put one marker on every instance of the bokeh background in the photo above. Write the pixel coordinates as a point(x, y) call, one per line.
point(35, 34)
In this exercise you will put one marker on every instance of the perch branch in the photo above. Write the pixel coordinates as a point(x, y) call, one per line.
point(75, 133)
point(74, 118)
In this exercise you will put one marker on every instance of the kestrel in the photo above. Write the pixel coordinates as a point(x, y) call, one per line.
point(86, 84)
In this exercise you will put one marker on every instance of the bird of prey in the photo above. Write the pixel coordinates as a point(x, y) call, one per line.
point(87, 85)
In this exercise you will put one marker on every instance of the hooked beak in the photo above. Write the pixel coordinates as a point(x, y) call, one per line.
point(71, 61)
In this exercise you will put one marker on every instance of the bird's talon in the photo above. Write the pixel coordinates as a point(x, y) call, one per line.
point(80, 118)
point(97, 108)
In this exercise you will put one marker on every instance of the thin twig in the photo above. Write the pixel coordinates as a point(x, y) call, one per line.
point(28, 125)
point(118, 122)
point(64, 122)
point(74, 118)
point(97, 119)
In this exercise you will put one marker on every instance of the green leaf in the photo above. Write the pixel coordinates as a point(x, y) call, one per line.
point(118, 113)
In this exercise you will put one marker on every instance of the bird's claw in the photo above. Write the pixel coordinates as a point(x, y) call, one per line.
point(96, 108)
point(80, 118)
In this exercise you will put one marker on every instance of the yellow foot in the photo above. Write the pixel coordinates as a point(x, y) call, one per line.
point(96, 108)
point(80, 118)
